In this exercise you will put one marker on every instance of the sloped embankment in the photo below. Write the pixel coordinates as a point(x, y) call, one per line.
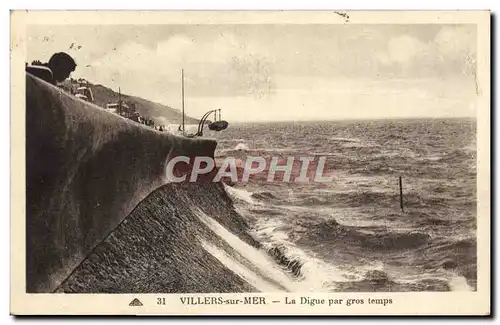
point(160, 247)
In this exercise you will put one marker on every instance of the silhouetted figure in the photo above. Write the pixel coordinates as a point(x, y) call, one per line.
point(56, 70)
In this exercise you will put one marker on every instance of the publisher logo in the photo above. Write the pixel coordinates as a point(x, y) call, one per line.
point(135, 303)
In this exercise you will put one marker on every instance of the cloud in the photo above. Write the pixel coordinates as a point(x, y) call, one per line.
point(219, 66)
point(274, 67)
point(350, 98)
point(456, 42)
point(403, 49)
point(451, 51)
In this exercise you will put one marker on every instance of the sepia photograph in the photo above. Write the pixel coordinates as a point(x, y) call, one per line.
point(332, 162)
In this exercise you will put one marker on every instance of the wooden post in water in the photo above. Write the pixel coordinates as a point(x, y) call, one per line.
point(401, 193)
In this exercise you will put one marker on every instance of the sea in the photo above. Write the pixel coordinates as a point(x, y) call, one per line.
point(360, 231)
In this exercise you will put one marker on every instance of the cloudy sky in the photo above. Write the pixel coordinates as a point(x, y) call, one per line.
point(278, 72)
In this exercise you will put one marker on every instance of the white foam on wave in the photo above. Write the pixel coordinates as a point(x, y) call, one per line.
point(315, 272)
point(241, 270)
point(432, 157)
point(353, 142)
point(239, 147)
point(456, 282)
point(256, 257)
point(470, 148)
point(241, 194)
point(242, 146)
point(459, 283)
point(274, 150)
point(174, 128)
point(340, 139)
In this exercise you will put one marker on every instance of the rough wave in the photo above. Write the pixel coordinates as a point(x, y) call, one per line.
point(102, 218)
point(169, 243)
point(331, 230)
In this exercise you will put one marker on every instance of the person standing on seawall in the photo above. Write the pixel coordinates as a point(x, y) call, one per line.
point(56, 70)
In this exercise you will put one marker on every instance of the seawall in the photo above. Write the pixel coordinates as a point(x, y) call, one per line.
point(86, 170)
point(164, 246)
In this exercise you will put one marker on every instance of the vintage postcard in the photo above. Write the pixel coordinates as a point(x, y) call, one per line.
point(250, 163)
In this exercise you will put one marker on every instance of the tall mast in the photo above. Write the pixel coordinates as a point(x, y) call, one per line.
point(182, 75)
point(119, 100)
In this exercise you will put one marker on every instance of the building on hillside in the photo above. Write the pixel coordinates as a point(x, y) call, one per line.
point(85, 93)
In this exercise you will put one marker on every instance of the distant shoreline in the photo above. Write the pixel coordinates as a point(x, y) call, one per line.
point(464, 118)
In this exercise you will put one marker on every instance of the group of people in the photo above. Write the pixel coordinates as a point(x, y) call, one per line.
point(145, 121)
point(136, 117)
point(151, 123)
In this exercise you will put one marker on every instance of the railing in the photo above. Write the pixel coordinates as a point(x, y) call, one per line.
point(201, 124)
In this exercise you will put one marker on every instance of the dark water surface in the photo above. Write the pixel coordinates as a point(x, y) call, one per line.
point(350, 234)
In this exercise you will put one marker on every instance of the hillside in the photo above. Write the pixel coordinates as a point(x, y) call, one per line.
point(161, 114)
